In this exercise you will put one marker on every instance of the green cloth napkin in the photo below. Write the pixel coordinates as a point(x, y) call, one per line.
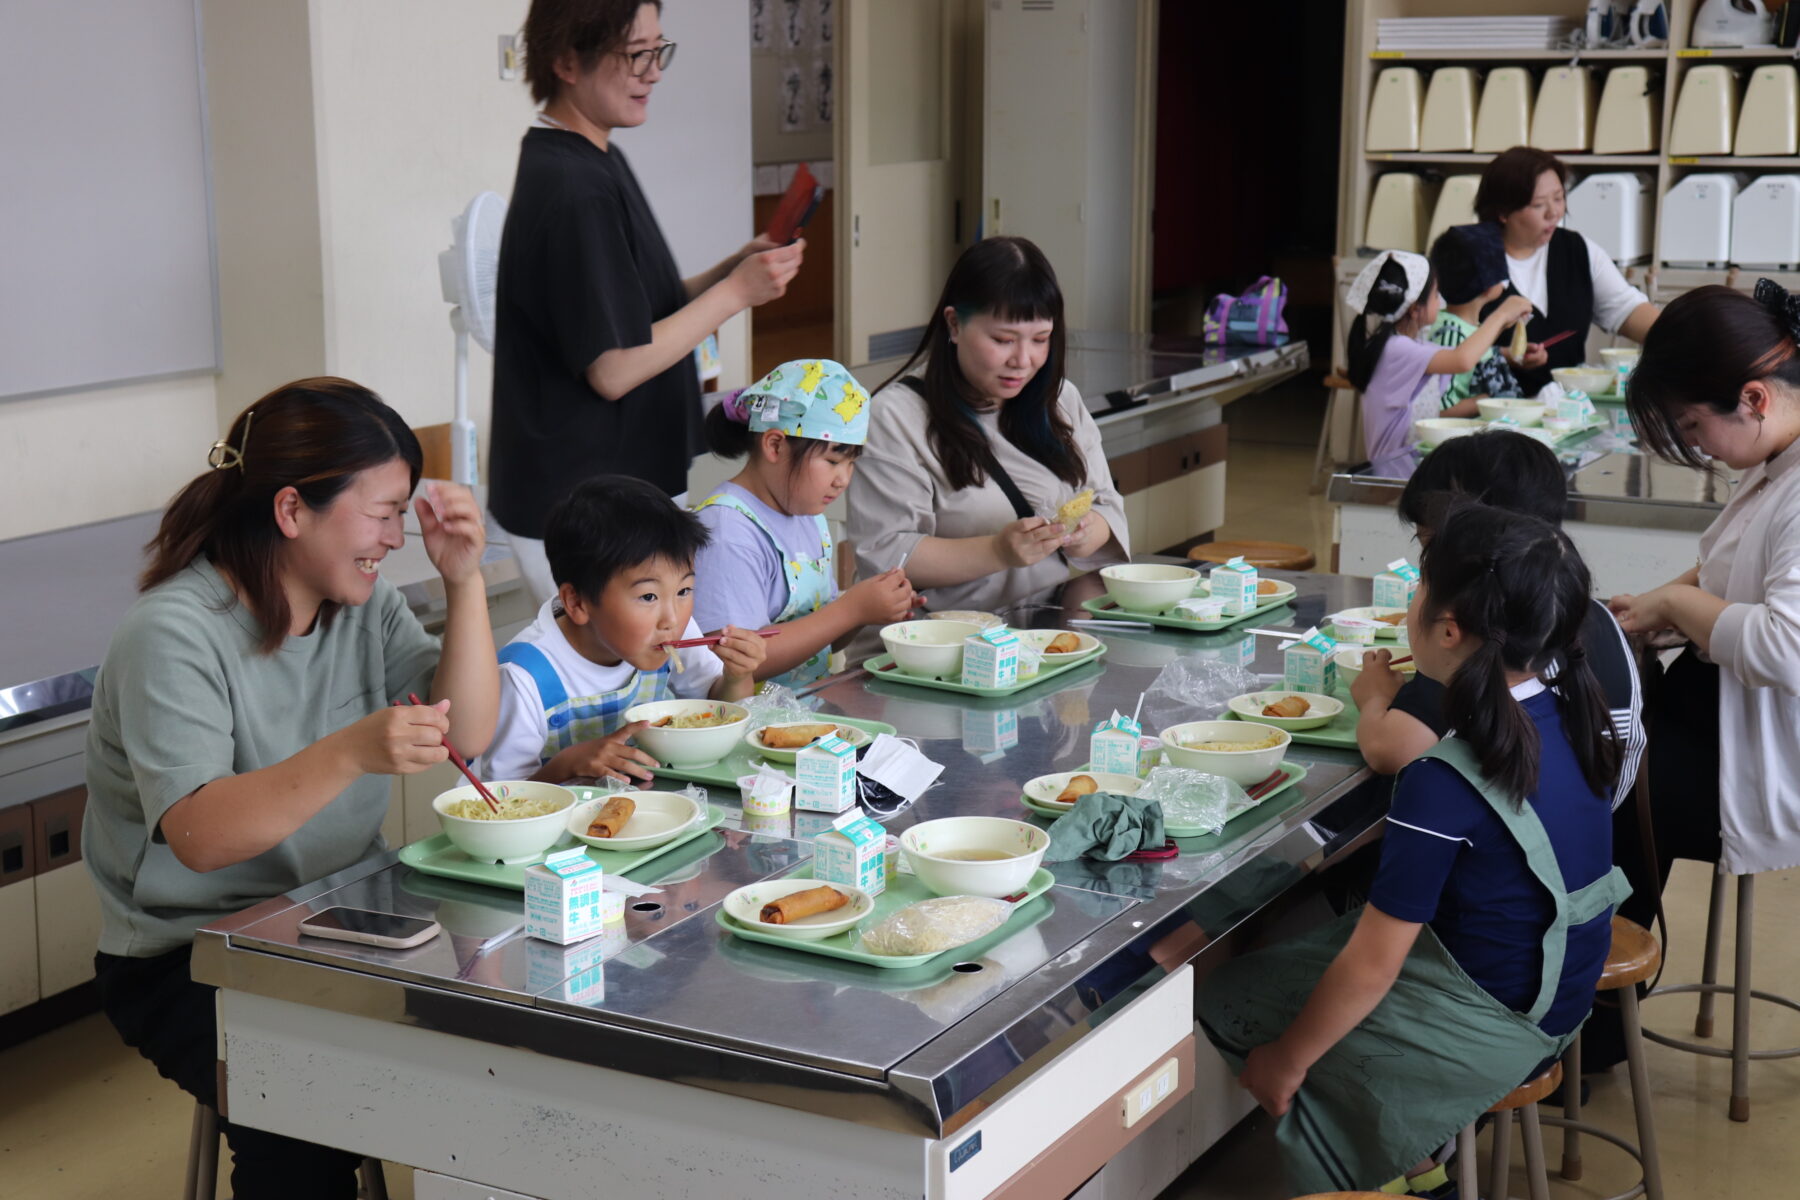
point(1106, 825)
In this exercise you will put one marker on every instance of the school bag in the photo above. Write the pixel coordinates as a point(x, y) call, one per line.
point(1254, 317)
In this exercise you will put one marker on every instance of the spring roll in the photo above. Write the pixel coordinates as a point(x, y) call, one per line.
point(1287, 706)
point(793, 737)
point(1063, 643)
point(1077, 787)
point(612, 817)
point(809, 903)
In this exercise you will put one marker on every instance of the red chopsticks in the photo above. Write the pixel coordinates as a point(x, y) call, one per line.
point(461, 764)
point(1551, 341)
point(714, 640)
point(1259, 790)
point(1404, 658)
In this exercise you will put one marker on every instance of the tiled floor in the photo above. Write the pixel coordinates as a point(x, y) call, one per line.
point(82, 1118)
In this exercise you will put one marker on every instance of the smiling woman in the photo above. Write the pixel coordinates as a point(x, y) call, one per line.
point(241, 729)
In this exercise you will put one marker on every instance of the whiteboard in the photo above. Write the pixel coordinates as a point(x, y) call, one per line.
point(107, 268)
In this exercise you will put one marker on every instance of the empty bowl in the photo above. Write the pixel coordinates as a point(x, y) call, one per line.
point(974, 856)
point(504, 839)
point(688, 748)
point(932, 649)
point(1148, 587)
point(1251, 765)
point(1595, 381)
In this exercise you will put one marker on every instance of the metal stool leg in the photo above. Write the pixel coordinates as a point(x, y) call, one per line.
point(196, 1138)
point(1709, 967)
point(1466, 1168)
point(374, 1183)
point(1641, 1099)
point(1740, 1002)
point(1571, 1151)
point(203, 1154)
point(1537, 1179)
point(1500, 1156)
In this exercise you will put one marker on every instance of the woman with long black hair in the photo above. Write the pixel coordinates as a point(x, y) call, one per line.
point(978, 441)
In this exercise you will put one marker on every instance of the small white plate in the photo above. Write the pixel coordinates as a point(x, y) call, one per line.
point(745, 907)
point(1394, 632)
point(1283, 591)
point(660, 817)
point(857, 738)
point(981, 620)
point(1321, 709)
point(1045, 789)
point(1039, 638)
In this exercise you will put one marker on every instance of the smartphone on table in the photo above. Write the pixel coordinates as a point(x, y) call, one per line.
point(370, 928)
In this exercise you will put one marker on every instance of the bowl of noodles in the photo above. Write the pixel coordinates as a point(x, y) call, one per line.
point(689, 733)
point(529, 822)
point(1245, 752)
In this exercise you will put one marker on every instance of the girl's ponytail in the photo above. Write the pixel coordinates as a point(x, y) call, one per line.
point(727, 429)
point(1516, 584)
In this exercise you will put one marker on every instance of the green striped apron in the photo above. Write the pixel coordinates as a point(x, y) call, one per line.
point(809, 582)
point(1435, 1054)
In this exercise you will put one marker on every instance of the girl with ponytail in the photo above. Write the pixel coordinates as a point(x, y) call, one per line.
point(1402, 376)
point(243, 723)
point(1378, 1037)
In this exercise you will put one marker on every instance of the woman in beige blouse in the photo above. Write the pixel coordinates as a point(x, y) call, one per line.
point(980, 404)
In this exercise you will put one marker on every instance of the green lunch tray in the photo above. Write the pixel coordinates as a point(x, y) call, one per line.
point(1271, 808)
point(1293, 770)
point(1105, 606)
point(882, 667)
point(1340, 734)
point(743, 760)
point(437, 856)
point(901, 890)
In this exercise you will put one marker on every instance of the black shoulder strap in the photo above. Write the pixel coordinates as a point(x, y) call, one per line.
point(991, 465)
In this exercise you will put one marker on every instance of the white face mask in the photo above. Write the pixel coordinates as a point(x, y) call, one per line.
point(897, 765)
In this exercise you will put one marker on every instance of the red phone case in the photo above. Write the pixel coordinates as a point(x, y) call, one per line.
point(796, 205)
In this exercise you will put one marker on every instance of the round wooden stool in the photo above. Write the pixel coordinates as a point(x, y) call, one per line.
point(1271, 556)
point(1524, 1101)
point(1738, 989)
point(1347, 1196)
point(1633, 959)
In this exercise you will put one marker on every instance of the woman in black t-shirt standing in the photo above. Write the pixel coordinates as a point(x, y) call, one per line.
point(596, 329)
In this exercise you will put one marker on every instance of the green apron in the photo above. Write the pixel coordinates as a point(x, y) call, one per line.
point(809, 582)
point(1435, 1054)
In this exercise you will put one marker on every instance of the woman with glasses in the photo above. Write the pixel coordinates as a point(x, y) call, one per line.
point(596, 329)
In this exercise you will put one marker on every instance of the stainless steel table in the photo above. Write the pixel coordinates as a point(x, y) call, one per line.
point(807, 1046)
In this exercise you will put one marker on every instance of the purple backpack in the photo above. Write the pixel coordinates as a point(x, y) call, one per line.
point(1254, 317)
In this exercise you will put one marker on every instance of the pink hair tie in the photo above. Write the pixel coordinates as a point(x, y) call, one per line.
point(735, 408)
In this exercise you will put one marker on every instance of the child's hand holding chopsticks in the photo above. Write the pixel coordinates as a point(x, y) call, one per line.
point(742, 651)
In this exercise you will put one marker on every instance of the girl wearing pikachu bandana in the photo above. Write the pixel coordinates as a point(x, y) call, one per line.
point(799, 430)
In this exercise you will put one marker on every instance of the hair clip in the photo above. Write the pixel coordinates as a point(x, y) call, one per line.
point(1783, 303)
point(735, 408)
point(223, 457)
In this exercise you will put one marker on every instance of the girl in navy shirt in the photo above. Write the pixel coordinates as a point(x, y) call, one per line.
point(1378, 1037)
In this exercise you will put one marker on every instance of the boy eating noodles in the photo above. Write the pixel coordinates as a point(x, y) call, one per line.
point(622, 556)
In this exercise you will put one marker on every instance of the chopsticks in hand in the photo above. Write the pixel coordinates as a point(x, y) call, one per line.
point(713, 640)
point(461, 763)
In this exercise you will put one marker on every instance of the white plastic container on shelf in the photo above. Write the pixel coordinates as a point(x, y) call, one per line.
point(1399, 212)
point(1769, 123)
point(1564, 117)
point(1765, 223)
point(1696, 220)
point(1449, 120)
point(1504, 118)
point(1394, 110)
point(1706, 114)
point(1455, 205)
point(1614, 210)
point(1630, 117)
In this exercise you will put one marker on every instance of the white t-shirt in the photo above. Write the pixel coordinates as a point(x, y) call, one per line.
point(520, 732)
point(1614, 299)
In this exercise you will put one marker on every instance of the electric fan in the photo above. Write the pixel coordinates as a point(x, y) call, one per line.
point(468, 271)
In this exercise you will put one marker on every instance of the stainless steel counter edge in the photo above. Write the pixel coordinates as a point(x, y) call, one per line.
point(931, 1093)
point(1294, 356)
point(1679, 516)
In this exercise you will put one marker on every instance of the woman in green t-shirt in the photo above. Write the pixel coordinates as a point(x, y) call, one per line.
point(242, 724)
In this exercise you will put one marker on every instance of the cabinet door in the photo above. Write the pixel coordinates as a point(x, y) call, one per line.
point(68, 928)
point(18, 946)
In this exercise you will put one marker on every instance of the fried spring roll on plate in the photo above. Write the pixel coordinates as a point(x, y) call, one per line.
point(811, 902)
point(612, 817)
point(793, 737)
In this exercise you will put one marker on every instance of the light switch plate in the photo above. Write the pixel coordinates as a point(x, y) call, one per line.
point(512, 57)
point(1151, 1091)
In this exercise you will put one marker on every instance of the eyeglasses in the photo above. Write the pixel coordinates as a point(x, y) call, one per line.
point(662, 55)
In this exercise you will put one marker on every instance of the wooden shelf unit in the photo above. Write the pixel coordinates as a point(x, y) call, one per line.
point(1364, 61)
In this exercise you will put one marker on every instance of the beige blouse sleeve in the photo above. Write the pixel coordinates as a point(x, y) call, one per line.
point(1107, 501)
point(892, 494)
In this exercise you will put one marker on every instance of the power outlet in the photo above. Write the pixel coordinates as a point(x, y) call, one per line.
point(1151, 1091)
point(512, 57)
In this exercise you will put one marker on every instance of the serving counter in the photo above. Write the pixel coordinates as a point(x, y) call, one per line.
point(676, 1060)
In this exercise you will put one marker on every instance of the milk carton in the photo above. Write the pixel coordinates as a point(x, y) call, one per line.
point(1574, 406)
point(991, 658)
point(1234, 582)
point(987, 734)
point(1199, 608)
point(1308, 665)
point(852, 852)
point(1395, 586)
point(825, 776)
point(1114, 745)
point(564, 897)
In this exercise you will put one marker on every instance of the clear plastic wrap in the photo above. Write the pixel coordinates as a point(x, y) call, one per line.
point(932, 926)
point(1195, 798)
point(775, 705)
point(1197, 689)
